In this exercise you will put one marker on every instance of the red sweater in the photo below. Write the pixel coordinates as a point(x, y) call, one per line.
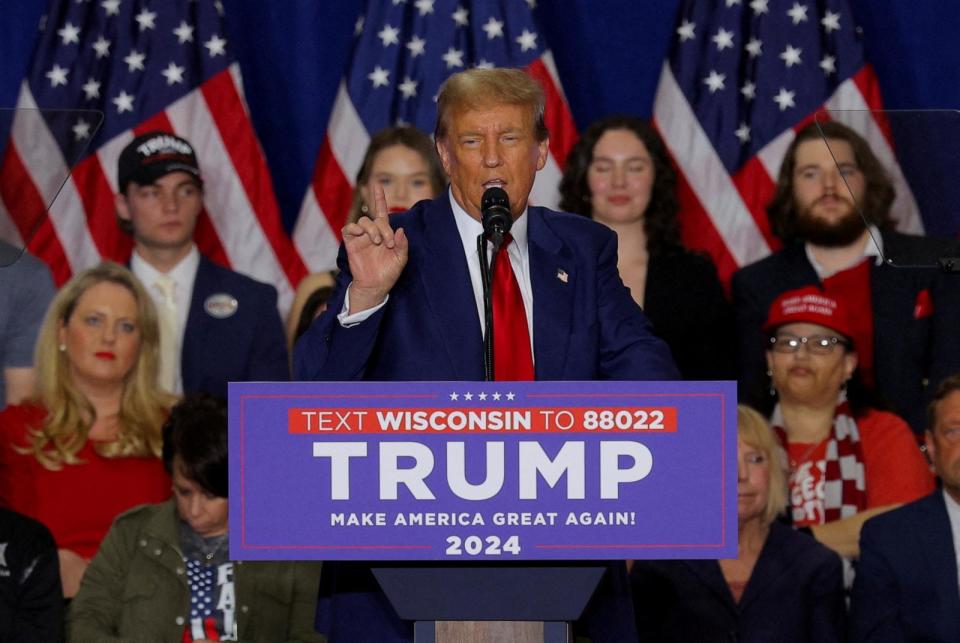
point(79, 502)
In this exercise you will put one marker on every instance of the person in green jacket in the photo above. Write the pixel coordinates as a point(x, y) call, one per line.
point(163, 572)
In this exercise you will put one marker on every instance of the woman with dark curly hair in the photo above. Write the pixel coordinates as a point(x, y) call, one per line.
point(619, 174)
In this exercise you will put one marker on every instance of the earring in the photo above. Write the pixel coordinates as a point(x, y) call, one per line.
point(63, 348)
point(773, 391)
point(364, 208)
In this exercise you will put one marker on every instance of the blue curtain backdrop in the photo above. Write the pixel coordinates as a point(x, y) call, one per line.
point(615, 46)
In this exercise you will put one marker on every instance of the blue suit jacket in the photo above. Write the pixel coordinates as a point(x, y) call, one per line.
point(795, 593)
point(247, 346)
point(585, 326)
point(906, 586)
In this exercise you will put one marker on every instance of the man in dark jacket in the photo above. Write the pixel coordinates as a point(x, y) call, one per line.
point(31, 600)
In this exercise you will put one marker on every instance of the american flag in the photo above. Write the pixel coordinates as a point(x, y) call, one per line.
point(402, 52)
point(146, 65)
point(741, 78)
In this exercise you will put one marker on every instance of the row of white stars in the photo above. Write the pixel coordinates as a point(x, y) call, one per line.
point(390, 35)
point(482, 396)
point(70, 33)
point(723, 39)
point(145, 17)
point(461, 16)
point(57, 75)
point(380, 77)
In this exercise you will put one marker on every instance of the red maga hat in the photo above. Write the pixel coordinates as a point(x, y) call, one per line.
point(808, 305)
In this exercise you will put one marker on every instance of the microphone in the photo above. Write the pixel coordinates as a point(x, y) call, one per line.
point(495, 214)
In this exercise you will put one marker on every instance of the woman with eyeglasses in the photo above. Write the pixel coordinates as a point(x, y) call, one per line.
point(847, 460)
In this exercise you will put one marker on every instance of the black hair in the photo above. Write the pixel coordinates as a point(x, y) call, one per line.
point(196, 434)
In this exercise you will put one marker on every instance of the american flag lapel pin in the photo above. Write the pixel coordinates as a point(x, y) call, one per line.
point(562, 275)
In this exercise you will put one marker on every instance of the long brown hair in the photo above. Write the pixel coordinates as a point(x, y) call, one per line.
point(878, 195)
point(660, 222)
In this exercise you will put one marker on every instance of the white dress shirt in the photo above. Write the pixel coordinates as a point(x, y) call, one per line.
point(469, 229)
point(184, 274)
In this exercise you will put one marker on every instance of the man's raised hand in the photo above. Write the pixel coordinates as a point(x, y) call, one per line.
point(377, 255)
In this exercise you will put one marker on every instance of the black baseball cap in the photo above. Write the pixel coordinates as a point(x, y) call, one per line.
point(153, 155)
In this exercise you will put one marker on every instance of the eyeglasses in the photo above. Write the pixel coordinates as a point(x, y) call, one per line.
point(816, 344)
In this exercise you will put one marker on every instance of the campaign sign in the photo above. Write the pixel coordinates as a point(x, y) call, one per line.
point(483, 470)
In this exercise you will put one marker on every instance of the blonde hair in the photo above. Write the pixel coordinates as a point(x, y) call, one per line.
point(754, 430)
point(70, 416)
point(480, 88)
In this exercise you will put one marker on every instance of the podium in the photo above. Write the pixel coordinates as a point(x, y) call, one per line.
point(466, 603)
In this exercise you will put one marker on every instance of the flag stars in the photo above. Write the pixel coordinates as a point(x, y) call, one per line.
point(453, 58)
point(57, 75)
point(743, 133)
point(184, 33)
point(784, 99)
point(527, 40)
point(715, 81)
point(749, 91)
point(424, 6)
point(829, 65)
point(380, 77)
point(111, 7)
point(134, 60)
point(389, 35)
point(496, 397)
point(830, 21)
point(408, 87)
point(70, 33)
point(358, 26)
point(417, 46)
point(124, 102)
point(91, 89)
point(798, 13)
point(731, 3)
point(723, 39)
point(493, 28)
point(102, 46)
point(216, 46)
point(686, 31)
point(483, 63)
point(511, 396)
point(482, 397)
point(791, 56)
point(454, 396)
point(461, 16)
point(146, 19)
point(468, 396)
point(173, 73)
point(754, 47)
point(81, 130)
point(760, 6)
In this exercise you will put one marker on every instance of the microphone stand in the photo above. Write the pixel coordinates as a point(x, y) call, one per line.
point(485, 280)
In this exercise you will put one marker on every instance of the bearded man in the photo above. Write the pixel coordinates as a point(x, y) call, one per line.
point(832, 211)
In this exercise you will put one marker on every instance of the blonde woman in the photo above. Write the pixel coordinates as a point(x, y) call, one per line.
point(87, 448)
point(783, 585)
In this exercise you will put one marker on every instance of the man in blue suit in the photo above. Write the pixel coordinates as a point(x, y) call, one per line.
point(216, 325)
point(409, 302)
point(907, 586)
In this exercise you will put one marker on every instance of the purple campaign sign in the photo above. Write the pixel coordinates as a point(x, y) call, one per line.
point(483, 470)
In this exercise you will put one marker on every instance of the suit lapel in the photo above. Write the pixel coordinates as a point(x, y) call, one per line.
point(192, 349)
point(769, 567)
point(936, 543)
point(553, 280)
point(448, 291)
point(708, 571)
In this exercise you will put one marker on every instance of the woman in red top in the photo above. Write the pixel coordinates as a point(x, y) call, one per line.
point(848, 461)
point(88, 447)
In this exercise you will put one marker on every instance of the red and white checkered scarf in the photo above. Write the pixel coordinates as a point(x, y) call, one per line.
point(844, 488)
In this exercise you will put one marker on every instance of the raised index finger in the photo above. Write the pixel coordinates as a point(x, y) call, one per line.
point(379, 203)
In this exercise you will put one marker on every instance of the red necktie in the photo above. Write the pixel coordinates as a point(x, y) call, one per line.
point(512, 360)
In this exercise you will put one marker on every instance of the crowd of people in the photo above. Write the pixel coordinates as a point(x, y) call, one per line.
point(113, 465)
